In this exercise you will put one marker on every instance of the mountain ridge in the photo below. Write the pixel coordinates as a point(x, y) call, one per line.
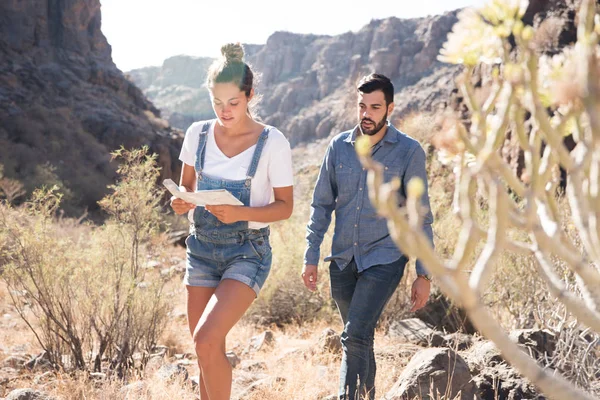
point(298, 72)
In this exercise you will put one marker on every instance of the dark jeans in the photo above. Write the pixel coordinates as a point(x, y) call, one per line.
point(360, 298)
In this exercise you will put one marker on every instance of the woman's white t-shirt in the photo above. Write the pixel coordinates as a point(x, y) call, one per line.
point(274, 167)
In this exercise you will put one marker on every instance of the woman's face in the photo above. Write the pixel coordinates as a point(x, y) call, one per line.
point(230, 103)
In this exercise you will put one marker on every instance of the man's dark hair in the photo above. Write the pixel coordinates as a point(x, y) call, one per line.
point(373, 82)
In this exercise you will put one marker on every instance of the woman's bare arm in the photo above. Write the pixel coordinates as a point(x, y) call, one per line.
point(187, 180)
point(278, 210)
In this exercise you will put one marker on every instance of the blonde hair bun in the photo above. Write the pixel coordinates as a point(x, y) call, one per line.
point(233, 52)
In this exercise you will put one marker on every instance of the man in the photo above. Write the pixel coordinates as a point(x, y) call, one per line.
point(366, 266)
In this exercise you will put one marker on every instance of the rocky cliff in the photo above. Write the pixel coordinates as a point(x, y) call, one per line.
point(177, 89)
point(309, 89)
point(63, 103)
point(307, 81)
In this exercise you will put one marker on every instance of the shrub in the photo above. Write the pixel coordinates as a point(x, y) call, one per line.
point(10, 189)
point(86, 297)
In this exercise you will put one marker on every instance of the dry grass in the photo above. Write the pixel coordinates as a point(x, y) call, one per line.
point(420, 126)
point(303, 371)
point(284, 299)
point(14, 334)
point(84, 291)
point(297, 317)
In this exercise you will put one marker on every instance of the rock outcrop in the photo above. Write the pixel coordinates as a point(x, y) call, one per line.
point(434, 373)
point(308, 82)
point(64, 105)
point(177, 89)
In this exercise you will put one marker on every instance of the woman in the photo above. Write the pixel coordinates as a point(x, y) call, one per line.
point(228, 251)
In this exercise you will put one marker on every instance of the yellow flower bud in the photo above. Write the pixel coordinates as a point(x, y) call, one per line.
point(569, 127)
point(527, 33)
point(363, 146)
point(518, 28)
point(415, 188)
point(495, 73)
point(470, 60)
point(502, 31)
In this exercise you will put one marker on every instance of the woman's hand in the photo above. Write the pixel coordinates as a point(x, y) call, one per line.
point(181, 206)
point(227, 214)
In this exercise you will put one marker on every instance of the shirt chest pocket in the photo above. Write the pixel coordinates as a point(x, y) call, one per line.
point(392, 171)
point(347, 178)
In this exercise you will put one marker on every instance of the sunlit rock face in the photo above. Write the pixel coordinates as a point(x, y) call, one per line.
point(308, 82)
point(64, 105)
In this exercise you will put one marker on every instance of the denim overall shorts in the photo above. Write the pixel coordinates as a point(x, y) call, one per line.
point(217, 251)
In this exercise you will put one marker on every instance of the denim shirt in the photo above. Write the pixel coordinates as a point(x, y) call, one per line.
point(341, 187)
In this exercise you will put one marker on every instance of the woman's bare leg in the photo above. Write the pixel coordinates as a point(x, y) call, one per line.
point(226, 306)
point(197, 299)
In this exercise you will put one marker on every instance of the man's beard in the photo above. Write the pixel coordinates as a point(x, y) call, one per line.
point(375, 127)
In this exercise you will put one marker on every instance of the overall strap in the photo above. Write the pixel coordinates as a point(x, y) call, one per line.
point(201, 151)
point(262, 139)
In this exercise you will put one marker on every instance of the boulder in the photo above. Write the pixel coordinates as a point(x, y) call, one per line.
point(329, 342)
point(537, 342)
point(233, 359)
point(482, 354)
point(261, 341)
point(441, 314)
point(433, 373)
point(253, 366)
point(458, 341)
point(27, 394)
point(15, 361)
point(415, 331)
point(170, 372)
point(501, 381)
point(41, 361)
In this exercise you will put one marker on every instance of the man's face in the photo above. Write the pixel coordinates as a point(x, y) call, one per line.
point(372, 112)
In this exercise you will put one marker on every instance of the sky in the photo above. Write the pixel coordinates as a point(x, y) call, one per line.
point(146, 32)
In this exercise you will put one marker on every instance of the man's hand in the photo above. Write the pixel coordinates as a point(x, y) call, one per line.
point(225, 213)
point(420, 293)
point(309, 276)
point(181, 206)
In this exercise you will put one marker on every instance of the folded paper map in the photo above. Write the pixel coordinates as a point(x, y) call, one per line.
point(203, 197)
